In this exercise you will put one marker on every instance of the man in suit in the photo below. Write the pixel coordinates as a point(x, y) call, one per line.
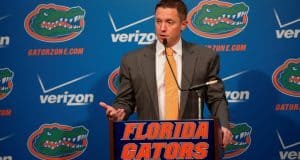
point(143, 74)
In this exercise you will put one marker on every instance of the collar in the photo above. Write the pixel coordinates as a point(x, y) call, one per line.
point(160, 48)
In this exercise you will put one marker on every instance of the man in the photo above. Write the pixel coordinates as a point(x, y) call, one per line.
point(144, 74)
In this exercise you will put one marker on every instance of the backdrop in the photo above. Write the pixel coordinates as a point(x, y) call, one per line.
point(60, 58)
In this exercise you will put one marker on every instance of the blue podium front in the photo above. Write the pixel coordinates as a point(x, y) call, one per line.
point(188, 139)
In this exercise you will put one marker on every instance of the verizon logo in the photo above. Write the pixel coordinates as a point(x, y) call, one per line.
point(288, 154)
point(286, 33)
point(237, 96)
point(4, 41)
point(136, 37)
point(69, 99)
point(6, 157)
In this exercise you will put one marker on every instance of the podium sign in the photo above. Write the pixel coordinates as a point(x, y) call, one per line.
point(188, 139)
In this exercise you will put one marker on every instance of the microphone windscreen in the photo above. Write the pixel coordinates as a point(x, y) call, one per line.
point(165, 42)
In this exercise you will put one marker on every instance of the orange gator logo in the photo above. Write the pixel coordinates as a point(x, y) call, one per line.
point(215, 19)
point(54, 23)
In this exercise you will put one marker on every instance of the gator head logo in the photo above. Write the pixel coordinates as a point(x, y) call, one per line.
point(113, 81)
point(286, 78)
point(58, 142)
point(216, 19)
point(54, 23)
point(6, 76)
point(241, 140)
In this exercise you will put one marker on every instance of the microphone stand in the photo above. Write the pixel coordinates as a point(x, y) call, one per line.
point(199, 104)
point(197, 89)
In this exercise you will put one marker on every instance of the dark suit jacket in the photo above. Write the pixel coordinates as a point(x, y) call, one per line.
point(138, 83)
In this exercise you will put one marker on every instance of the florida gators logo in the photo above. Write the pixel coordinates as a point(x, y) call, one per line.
point(6, 77)
point(55, 23)
point(113, 81)
point(241, 140)
point(215, 19)
point(286, 78)
point(58, 142)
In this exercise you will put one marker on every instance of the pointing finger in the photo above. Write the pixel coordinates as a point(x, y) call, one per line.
point(104, 105)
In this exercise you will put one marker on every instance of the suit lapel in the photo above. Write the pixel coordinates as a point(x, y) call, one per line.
point(148, 67)
point(188, 65)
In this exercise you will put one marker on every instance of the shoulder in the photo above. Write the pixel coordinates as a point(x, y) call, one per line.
point(149, 49)
point(198, 50)
point(134, 57)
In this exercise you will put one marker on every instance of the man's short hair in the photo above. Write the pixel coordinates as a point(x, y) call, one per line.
point(178, 4)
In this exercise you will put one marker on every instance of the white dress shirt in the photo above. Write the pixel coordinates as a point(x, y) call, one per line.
point(160, 60)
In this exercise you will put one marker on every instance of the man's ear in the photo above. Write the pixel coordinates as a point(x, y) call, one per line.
point(183, 24)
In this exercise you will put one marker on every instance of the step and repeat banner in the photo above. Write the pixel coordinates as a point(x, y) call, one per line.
point(60, 58)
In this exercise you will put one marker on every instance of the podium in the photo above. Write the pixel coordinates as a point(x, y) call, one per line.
point(186, 139)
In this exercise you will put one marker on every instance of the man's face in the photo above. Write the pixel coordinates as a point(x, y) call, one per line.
point(168, 25)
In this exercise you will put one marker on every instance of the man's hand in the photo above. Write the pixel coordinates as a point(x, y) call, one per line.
point(227, 136)
point(113, 114)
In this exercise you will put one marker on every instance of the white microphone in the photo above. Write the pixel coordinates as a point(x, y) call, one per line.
point(196, 87)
